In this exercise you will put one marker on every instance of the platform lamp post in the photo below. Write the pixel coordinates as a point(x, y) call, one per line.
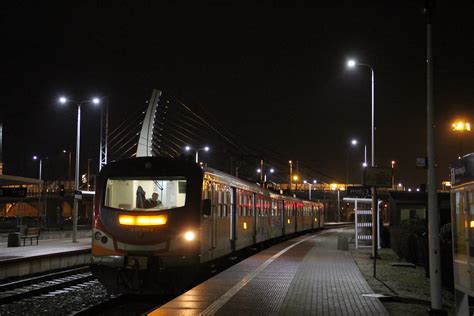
point(189, 148)
point(351, 64)
point(263, 174)
point(354, 143)
point(64, 100)
point(460, 127)
point(309, 187)
point(40, 185)
point(393, 174)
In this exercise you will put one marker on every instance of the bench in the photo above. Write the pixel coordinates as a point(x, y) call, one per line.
point(31, 232)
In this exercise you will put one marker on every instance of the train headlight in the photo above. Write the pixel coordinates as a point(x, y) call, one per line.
point(189, 236)
point(97, 235)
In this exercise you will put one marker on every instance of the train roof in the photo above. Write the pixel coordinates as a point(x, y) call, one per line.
point(220, 176)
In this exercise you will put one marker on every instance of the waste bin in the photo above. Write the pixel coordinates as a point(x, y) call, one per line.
point(13, 240)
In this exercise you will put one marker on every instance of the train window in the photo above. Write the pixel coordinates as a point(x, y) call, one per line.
point(145, 194)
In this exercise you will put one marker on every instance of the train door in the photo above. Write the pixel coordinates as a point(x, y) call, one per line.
point(282, 216)
point(254, 216)
point(214, 217)
point(296, 210)
point(233, 218)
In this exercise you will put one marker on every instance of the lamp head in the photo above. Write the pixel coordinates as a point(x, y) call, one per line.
point(272, 170)
point(35, 157)
point(62, 100)
point(354, 142)
point(259, 170)
point(304, 181)
point(315, 181)
point(96, 100)
point(206, 148)
point(187, 148)
point(351, 63)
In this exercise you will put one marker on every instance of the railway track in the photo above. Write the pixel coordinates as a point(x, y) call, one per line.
point(18, 290)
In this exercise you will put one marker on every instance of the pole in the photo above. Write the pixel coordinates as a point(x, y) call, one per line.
point(291, 176)
point(365, 154)
point(69, 167)
point(309, 191)
point(338, 207)
point(433, 219)
point(76, 181)
point(88, 174)
point(261, 171)
point(375, 212)
point(40, 189)
point(197, 156)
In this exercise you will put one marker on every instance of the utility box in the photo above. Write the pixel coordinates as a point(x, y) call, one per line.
point(13, 240)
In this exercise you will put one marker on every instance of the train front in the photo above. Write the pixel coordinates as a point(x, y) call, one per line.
point(146, 228)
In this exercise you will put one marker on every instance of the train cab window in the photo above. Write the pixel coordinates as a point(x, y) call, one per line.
point(145, 194)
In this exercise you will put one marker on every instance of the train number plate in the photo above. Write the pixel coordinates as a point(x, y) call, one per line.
point(134, 262)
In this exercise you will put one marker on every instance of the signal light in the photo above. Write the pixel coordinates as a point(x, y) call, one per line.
point(61, 191)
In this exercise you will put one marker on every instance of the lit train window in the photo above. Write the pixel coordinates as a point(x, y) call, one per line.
point(145, 194)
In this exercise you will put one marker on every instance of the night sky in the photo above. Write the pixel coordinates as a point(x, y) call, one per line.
point(273, 75)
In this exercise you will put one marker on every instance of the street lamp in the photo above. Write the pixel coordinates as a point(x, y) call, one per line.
point(64, 100)
point(460, 127)
point(309, 187)
point(352, 64)
point(264, 177)
point(40, 165)
point(393, 174)
point(40, 185)
point(354, 143)
point(205, 148)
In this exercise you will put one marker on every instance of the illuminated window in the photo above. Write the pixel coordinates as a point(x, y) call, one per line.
point(145, 193)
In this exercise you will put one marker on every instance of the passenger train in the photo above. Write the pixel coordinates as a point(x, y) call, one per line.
point(199, 215)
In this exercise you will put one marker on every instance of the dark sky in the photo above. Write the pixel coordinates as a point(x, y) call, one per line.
point(274, 75)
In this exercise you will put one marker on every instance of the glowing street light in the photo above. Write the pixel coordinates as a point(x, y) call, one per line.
point(353, 143)
point(309, 187)
point(64, 100)
point(189, 148)
point(352, 64)
point(40, 165)
point(461, 126)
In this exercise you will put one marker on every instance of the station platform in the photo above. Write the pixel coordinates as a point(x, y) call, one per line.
point(47, 255)
point(302, 276)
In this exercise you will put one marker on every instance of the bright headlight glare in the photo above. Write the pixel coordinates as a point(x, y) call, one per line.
point(189, 236)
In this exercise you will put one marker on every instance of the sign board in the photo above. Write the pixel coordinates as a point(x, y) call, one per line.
point(378, 177)
point(422, 162)
point(13, 192)
point(462, 170)
point(78, 195)
point(358, 192)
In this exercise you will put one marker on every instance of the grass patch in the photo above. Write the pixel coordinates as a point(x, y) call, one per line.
point(404, 281)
